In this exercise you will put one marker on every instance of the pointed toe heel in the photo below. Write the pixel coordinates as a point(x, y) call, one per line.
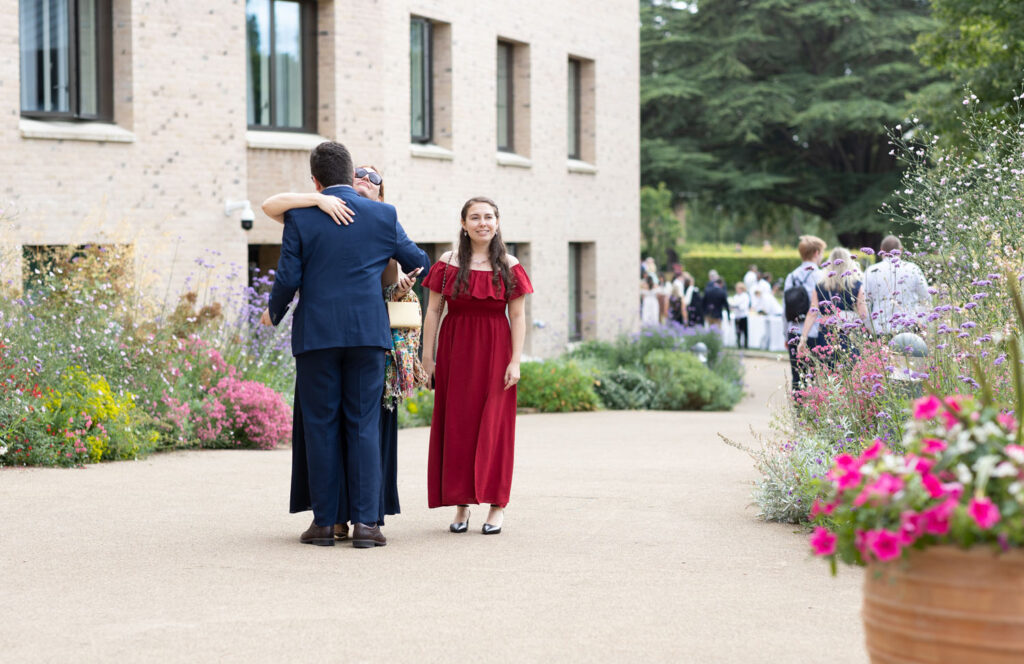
point(488, 529)
point(460, 526)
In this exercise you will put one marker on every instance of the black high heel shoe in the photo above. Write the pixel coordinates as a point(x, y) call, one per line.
point(488, 529)
point(461, 526)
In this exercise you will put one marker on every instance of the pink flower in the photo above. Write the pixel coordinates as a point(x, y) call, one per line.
point(933, 445)
point(911, 527)
point(884, 544)
point(984, 512)
point(936, 519)
point(932, 484)
point(822, 508)
point(884, 487)
point(919, 465)
point(823, 542)
point(954, 404)
point(1008, 421)
point(1015, 452)
point(927, 407)
point(872, 452)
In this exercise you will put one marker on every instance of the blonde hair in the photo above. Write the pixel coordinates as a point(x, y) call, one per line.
point(842, 271)
point(810, 245)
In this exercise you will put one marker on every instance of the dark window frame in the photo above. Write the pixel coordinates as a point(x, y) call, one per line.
point(427, 92)
point(307, 42)
point(576, 291)
point(576, 100)
point(104, 68)
point(509, 96)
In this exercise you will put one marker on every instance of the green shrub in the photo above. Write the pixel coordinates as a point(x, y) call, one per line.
point(556, 386)
point(630, 350)
point(416, 411)
point(684, 383)
point(624, 389)
point(731, 265)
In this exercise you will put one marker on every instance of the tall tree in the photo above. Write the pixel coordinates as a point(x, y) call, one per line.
point(780, 102)
point(980, 45)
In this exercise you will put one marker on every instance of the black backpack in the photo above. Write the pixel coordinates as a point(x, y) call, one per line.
point(795, 301)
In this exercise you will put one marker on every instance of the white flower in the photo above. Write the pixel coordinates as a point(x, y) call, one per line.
point(1005, 469)
point(3, 450)
point(963, 474)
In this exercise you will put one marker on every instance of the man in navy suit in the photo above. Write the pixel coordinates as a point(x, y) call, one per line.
point(340, 333)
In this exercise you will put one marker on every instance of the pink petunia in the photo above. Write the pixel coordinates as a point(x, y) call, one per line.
point(873, 451)
point(911, 527)
point(882, 488)
point(1008, 421)
point(822, 508)
point(884, 544)
point(918, 464)
point(932, 484)
point(984, 512)
point(936, 519)
point(927, 407)
point(950, 419)
point(933, 445)
point(823, 542)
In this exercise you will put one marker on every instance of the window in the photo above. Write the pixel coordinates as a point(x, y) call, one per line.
point(66, 59)
point(582, 291)
point(281, 64)
point(581, 120)
point(575, 291)
point(506, 81)
point(420, 60)
point(573, 121)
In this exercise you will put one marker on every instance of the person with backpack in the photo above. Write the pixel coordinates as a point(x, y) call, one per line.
point(796, 296)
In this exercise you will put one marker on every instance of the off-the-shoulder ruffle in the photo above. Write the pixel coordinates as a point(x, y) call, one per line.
point(481, 284)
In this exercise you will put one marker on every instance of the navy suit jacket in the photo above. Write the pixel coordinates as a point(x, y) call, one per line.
point(338, 269)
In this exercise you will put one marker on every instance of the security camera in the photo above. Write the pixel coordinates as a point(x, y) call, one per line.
point(248, 216)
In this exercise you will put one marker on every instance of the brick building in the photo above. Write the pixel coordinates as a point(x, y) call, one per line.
point(138, 120)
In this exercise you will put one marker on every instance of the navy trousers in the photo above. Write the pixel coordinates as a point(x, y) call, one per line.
point(340, 390)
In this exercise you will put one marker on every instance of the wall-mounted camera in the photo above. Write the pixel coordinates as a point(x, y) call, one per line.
point(248, 216)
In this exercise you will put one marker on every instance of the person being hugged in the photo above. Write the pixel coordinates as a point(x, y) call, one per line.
point(475, 368)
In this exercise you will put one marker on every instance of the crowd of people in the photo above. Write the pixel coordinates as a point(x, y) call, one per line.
point(675, 296)
point(824, 305)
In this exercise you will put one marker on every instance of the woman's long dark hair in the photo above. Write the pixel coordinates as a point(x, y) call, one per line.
point(502, 272)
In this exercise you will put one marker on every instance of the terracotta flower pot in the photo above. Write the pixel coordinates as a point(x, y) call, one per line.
point(946, 605)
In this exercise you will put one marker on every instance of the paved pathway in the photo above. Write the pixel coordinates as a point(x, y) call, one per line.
point(630, 537)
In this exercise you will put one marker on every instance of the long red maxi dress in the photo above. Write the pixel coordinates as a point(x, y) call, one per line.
point(472, 433)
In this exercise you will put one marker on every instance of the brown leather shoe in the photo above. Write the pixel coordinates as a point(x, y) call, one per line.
point(319, 535)
point(341, 531)
point(367, 537)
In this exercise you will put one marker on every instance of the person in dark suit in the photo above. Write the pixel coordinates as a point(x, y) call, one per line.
point(340, 334)
point(716, 300)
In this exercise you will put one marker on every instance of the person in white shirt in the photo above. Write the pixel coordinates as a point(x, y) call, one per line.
point(750, 279)
point(896, 290)
point(740, 306)
point(807, 275)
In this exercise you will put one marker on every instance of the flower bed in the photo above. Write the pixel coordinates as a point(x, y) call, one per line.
point(968, 230)
point(93, 370)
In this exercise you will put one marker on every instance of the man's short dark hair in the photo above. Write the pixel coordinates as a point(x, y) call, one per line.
point(331, 164)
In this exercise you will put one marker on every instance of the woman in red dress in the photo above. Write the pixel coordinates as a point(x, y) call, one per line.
point(472, 434)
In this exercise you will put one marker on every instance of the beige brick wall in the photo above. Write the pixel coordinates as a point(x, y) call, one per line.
point(181, 91)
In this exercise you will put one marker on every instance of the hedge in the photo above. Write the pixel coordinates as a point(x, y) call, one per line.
point(732, 265)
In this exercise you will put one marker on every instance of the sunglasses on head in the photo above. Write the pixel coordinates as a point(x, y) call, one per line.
point(374, 178)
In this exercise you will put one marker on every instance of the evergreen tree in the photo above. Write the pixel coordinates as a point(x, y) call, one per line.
point(754, 103)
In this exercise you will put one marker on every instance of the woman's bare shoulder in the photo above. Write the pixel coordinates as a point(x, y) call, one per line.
point(448, 257)
point(512, 261)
